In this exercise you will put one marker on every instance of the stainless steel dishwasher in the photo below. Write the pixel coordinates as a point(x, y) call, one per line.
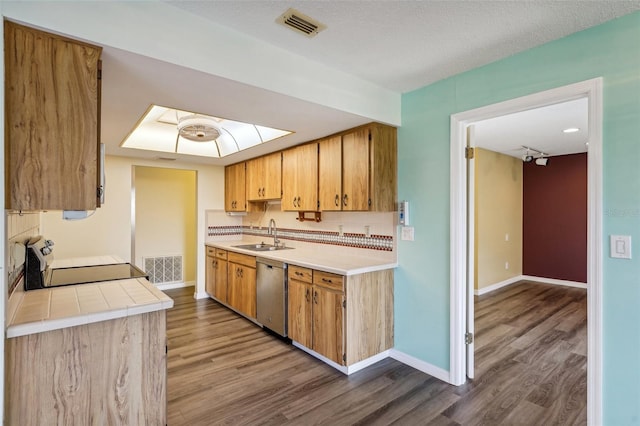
point(271, 295)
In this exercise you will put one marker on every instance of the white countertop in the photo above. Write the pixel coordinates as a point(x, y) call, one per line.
point(324, 259)
point(69, 306)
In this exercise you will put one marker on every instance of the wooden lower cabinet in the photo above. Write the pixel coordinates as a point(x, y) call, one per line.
point(345, 319)
point(241, 290)
point(216, 274)
point(210, 271)
point(106, 373)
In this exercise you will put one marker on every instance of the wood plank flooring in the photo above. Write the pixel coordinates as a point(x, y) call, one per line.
point(530, 370)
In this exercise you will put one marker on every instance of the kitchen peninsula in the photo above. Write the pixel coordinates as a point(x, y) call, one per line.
point(339, 309)
point(87, 354)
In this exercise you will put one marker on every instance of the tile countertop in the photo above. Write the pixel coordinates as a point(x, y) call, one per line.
point(69, 306)
point(323, 259)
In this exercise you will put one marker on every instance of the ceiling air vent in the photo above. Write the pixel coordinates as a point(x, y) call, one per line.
point(300, 23)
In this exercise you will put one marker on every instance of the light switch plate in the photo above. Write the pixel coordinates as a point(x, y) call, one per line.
point(620, 246)
point(407, 233)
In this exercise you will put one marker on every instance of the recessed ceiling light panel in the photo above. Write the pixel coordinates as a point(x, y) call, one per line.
point(571, 130)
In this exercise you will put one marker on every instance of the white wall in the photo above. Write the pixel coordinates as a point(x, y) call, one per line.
point(108, 231)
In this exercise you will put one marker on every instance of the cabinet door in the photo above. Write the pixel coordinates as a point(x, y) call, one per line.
point(220, 290)
point(255, 179)
point(272, 185)
point(210, 276)
point(51, 121)
point(234, 188)
point(328, 324)
point(299, 310)
point(289, 179)
point(355, 170)
point(330, 174)
point(307, 177)
point(242, 289)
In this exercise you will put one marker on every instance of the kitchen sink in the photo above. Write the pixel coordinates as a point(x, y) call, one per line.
point(262, 247)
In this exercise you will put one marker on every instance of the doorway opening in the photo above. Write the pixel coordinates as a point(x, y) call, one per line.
point(164, 225)
point(462, 273)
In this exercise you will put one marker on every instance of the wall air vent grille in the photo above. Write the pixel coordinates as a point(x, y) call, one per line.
point(163, 269)
point(301, 23)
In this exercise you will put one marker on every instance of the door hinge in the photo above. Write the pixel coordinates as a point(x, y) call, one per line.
point(468, 338)
point(469, 153)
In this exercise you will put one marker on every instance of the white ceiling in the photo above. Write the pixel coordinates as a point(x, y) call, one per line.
point(399, 45)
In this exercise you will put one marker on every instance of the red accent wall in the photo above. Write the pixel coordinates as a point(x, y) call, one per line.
point(554, 221)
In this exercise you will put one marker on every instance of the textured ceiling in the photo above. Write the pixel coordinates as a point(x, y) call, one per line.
point(404, 45)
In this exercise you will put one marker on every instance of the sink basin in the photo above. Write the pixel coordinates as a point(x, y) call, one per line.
point(262, 247)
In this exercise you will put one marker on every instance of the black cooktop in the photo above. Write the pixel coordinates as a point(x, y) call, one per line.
point(92, 274)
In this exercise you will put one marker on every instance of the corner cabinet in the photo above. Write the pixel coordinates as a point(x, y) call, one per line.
point(344, 319)
point(235, 196)
point(52, 98)
point(300, 178)
point(358, 170)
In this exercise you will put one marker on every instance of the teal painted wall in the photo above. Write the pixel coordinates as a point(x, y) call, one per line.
point(611, 51)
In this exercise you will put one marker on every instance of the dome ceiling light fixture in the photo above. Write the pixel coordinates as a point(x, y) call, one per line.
point(163, 129)
point(198, 128)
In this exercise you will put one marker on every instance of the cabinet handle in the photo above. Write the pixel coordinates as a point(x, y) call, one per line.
point(315, 297)
point(300, 274)
point(326, 280)
point(298, 201)
point(263, 191)
point(241, 272)
point(306, 296)
point(294, 201)
point(345, 198)
point(337, 200)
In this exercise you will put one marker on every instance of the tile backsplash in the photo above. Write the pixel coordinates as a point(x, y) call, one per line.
point(20, 227)
point(360, 230)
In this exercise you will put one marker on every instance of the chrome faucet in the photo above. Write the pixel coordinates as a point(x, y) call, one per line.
point(273, 230)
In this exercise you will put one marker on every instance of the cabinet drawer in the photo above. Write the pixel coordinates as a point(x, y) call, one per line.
point(221, 254)
point(241, 259)
point(300, 273)
point(211, 251)
point(328, 280)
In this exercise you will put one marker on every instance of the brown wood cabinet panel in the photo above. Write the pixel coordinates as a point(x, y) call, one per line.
point(329, 280)
point(355, 171)
point(383, 168)
point(51, 121)
point(235, 197)
point(300, 274)
point(300, 178)
point(210, 275)
point(241, 291)
point(264, 177)
point(299, 308)
point(369, 325)
point(328, 318)
point(255, 179)
point(109, 372)
point(330, 174)
point(220, 290)
point(242, 259)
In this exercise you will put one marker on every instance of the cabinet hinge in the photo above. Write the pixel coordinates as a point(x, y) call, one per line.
point(468, 338)
point(344, 304)
point(469, 153)
point(344, 357)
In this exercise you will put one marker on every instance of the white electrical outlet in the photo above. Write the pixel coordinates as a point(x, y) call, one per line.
point(407, 233)
point(620, 246)
point(367, 231)
point(340, 233)
point(506, 265)
point(506, 237)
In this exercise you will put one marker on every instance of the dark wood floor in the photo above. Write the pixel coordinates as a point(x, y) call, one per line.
point(530, 370)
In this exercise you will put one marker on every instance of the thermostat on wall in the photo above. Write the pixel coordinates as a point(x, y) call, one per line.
point(403, 213)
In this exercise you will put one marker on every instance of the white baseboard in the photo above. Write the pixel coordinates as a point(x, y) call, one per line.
point(201, 295)
point(553, 281)
point(421, 365)
point(493, 287)
point(175, 285)
point(341, 368)
point(542, 280)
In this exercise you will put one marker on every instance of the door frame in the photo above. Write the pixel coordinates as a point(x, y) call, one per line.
point(592, 90)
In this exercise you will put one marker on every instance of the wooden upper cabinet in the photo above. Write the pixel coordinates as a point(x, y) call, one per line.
point(264, 178)
point(235, 197)
point(300, 178)
point(52, 93)
point(330, 174)
point(357, 170)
